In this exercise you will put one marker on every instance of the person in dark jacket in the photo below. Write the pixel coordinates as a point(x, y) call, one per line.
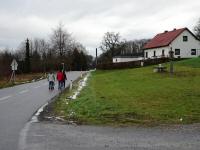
point(63, 79)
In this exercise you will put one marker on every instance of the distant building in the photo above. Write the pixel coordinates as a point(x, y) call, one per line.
point(183, 43)
point(118, 59)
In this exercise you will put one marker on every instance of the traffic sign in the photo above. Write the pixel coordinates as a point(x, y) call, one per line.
point(14, 65)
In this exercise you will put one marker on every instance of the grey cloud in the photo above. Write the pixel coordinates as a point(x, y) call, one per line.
point(88, 20)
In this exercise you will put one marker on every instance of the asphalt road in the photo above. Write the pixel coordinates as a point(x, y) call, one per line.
point(18, 104)
point(17, 131)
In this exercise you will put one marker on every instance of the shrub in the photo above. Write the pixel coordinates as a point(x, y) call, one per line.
point(132, 64)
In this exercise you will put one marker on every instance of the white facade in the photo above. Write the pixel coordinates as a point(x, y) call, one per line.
point(125, 59)
point(182, 49)
point(159, 52)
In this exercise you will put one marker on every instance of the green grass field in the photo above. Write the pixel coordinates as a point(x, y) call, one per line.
point(137, 96)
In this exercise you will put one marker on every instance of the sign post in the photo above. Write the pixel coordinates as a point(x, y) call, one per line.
point(14, 66)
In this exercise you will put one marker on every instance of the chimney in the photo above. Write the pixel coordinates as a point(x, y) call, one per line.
point(165, 31)
point(174, 29)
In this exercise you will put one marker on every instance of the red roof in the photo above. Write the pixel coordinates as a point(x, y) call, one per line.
point(164, 39)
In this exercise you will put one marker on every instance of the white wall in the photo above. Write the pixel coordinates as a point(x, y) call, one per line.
point(185, 47)
point(118, 60)
point(158, 52)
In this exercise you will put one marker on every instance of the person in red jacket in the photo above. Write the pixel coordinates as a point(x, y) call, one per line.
point(59, 78)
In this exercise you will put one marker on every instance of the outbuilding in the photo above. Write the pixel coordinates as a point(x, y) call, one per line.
point(120, 59)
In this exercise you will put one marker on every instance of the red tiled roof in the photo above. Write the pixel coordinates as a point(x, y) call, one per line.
point(164, 39)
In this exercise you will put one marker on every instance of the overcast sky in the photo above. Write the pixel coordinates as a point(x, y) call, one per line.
point(88, 20)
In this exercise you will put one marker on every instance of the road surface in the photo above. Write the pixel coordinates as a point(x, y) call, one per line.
point(50, 136)
point(18, 104)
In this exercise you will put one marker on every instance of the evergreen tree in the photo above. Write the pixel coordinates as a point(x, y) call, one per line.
point(36, 62)
point(76, 62)
point(83, 61)
point(27, 58)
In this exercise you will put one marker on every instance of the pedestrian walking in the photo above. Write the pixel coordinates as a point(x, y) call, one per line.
point(64, 79)
point(51, 79)
point(60, 79)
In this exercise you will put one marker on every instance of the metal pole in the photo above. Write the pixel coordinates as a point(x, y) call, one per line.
point(14, 76)
point(96, 57)
point(14, 72)
point(11, 78)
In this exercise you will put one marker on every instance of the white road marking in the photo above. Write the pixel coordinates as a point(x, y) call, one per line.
point(24, 91)
point(39, 135)
point(23, 137)
point(6, 97)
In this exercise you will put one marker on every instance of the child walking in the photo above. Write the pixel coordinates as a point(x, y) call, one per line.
point(51, 79)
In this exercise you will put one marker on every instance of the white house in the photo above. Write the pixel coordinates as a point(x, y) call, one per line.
point(182, 42)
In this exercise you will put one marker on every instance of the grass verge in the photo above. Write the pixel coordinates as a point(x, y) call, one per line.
point(56, 110)
point(137, 96)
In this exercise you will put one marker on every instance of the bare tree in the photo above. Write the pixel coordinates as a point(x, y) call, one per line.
point(110, 42)
point(197, 29)
point(61, 40)
point(50, 55)
point(134, 47)
point(44, 47)
point(21, 50)
point(79, 47)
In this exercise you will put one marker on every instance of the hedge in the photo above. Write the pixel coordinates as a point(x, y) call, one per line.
point(131, 64)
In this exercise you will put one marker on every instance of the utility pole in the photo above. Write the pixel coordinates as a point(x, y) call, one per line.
point(96, 57)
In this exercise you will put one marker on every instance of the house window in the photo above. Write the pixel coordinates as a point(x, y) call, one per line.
point(163, 52)
point(154, 53)
point(185, 38)
point(146, 54)
point(177, 51)
point(193, 51)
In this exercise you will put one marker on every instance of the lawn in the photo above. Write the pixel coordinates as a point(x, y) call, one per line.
point(137, 96)
point(20, 78)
